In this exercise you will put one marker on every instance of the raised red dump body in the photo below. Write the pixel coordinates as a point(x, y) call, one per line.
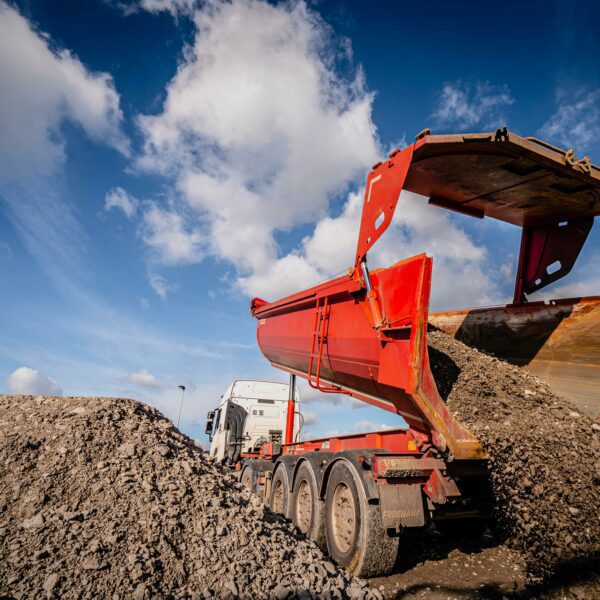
point(365, 334)
point(328, 335)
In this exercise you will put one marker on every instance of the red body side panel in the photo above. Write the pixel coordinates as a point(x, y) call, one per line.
point(330, 328)
point(354, 356)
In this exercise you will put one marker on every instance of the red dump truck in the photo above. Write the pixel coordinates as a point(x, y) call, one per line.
point(365, 334)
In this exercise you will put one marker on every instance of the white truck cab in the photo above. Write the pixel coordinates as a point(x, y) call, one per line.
point(250, 414)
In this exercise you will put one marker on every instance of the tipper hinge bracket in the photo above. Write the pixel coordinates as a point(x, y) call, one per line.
point(440, 487)
point(583, 165)
point(501, 134)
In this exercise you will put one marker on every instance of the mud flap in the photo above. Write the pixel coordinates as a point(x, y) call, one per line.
point(401, 506)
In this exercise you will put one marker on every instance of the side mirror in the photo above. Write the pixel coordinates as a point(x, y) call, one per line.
point(209, 424)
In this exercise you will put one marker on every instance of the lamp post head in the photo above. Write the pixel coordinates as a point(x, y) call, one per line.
point(182, 388)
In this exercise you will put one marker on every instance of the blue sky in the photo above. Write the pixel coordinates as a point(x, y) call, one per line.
point(163, 161)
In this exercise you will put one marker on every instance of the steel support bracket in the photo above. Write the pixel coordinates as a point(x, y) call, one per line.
point(440, 488)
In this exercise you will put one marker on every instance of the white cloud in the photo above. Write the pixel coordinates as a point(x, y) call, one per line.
point(576, 122)
point(175, 7)
point(310, 418)
point(576, 289)
point(172, 243)
point(119, 198)
point(160, 285)
point(30, 381)
point(145, 379)
point(203, 444)
point(465, 105)
point(258, 129)
point(417, 227)
point(42, 89)
point(283, 276)
point(366, 426)
point(309, 395)
point(255, 163)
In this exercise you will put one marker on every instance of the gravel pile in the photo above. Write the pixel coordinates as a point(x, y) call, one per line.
point(104, 498)
point(544, 454)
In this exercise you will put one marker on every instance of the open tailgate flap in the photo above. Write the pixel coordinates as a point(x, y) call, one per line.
point(522, 181)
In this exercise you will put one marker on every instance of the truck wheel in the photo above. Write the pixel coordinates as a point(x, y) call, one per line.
point(356, 538)
point(308, 513)
point(247, 478)
point(280, 492)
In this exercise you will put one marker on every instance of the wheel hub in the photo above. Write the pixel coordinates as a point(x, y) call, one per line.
point(304, 506)
point(278, 498)
point(344, 517)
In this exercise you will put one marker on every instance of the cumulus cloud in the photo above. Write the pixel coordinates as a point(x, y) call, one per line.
point(171, 240)
point(25, 380)
point(282, 277)
point(42, 88)
point(577, 289)
point(258, 129)
point(309, 395)
point(464, 105)
point(118, 198)
point(145, 379)
point(250, 166)
point(364, 426)
point(576, 122)
point(417, 227)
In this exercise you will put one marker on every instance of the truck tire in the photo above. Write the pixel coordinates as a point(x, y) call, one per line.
point(307, 509)
point(279, 500)
point(247, 478)
point(356, 539)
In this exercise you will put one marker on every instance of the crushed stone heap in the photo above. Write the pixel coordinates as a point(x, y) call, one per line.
point(544, 454)
point(104, 498)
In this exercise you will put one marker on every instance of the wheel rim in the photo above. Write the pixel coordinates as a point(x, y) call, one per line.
point(304, 506)
point(343, 517)
point(278, 497)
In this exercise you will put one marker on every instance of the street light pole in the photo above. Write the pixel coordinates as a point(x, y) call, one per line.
point(182, 388)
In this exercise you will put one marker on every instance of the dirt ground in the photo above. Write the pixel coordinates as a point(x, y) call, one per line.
point(447, 566)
